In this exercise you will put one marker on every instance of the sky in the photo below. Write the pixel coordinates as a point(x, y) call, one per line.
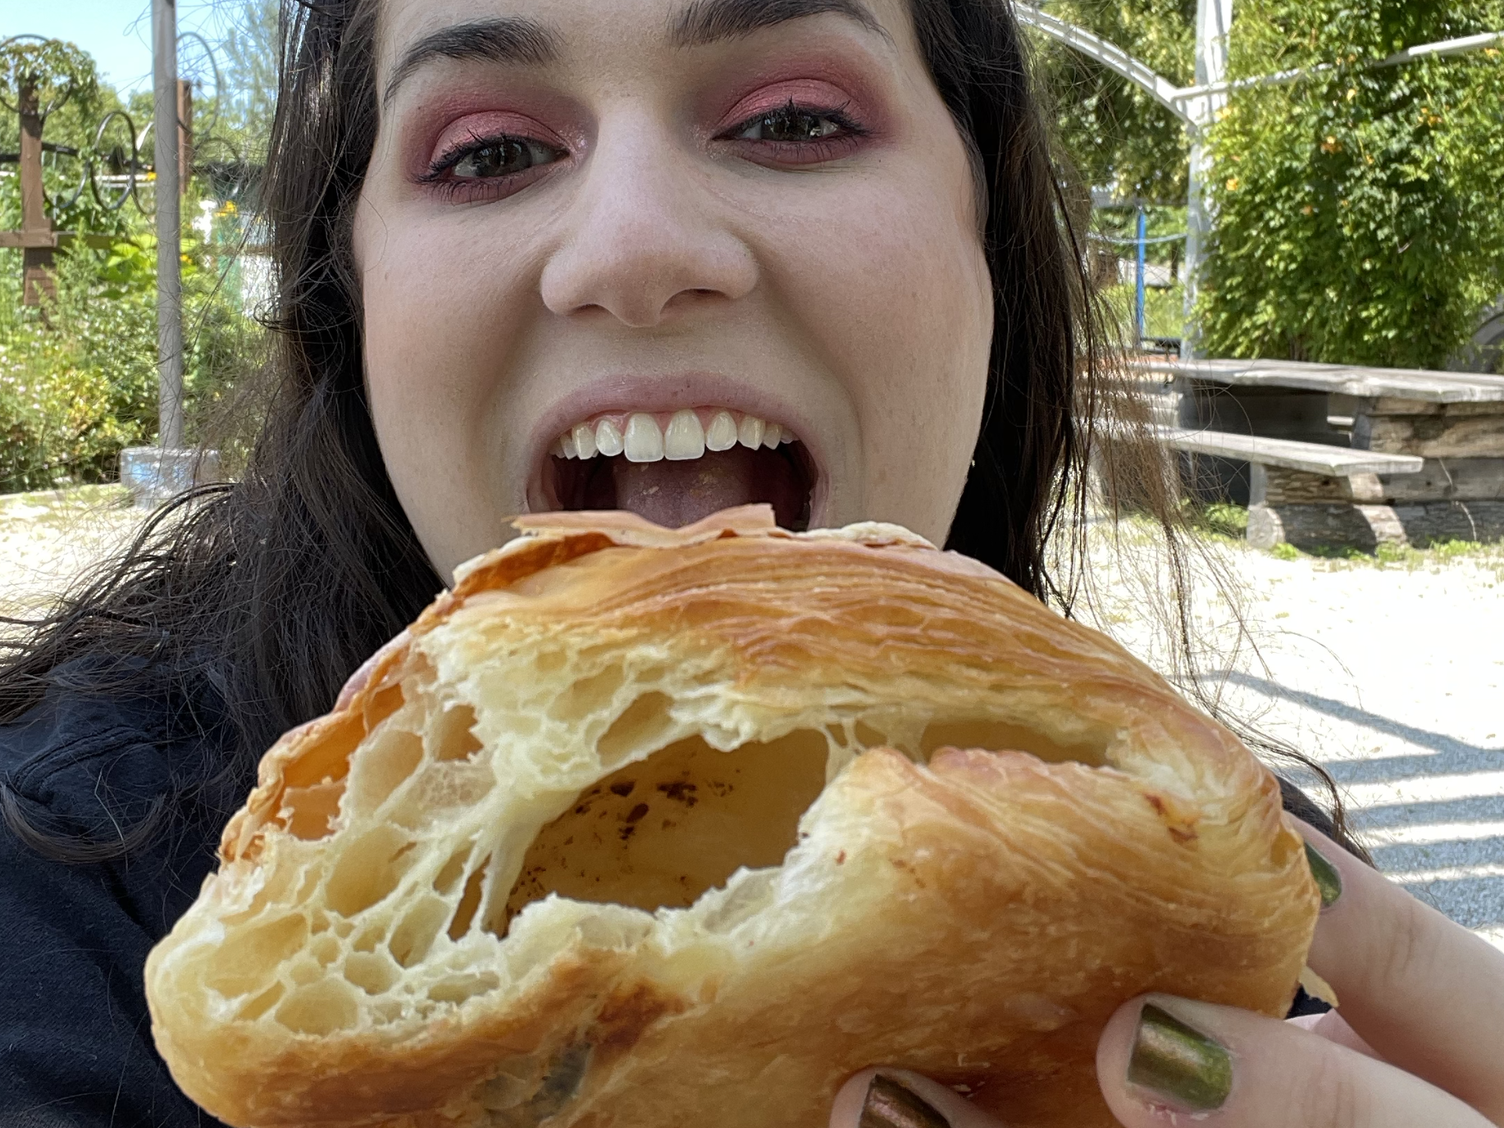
point(117, 33)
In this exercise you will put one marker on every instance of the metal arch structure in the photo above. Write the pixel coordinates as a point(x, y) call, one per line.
point(1195, 107)
point(1192, 105)
point(1111, 56)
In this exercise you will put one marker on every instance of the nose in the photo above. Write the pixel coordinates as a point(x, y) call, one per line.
point(645, 237)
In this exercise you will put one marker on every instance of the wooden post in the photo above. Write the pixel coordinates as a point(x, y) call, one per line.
point(36, 229)
point(185, 134)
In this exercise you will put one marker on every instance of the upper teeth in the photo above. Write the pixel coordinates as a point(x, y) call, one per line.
point(687, 434)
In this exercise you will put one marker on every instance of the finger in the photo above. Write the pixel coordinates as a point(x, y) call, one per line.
point(1334, 1028)
point(897, 1098)
point(1425, 993)
point(1164, 1060)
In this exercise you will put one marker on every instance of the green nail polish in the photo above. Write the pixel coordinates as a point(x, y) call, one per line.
point(1328, 880)
point(1180, 1064)
point(890, 1105)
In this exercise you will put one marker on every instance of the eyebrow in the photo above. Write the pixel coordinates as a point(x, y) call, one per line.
point(709, 21)
point(517, 41)
point(510, 40)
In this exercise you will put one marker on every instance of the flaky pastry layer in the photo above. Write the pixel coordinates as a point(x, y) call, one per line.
point(639, 827)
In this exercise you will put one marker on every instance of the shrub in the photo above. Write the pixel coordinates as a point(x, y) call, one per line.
point(1358, 218)
point(73, 386)
point(78, 379)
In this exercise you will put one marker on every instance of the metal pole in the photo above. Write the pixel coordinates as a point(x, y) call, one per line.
point(1138, 278)
point(164, 22)
point(1213, 25)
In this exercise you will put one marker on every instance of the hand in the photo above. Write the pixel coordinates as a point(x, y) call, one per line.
point(1419, 1040)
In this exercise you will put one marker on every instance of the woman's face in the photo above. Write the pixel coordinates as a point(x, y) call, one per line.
point(668, 256)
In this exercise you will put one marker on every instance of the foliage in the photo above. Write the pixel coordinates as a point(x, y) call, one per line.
point(78, 379)
point(250, 61)
point(1115, 133)
point(1219, 519)
point(232, 119)
point(73, 102)
point(1164, 309)
point(73, 387)
point(1358, 218)
point(58, 72)
point(1430, 555)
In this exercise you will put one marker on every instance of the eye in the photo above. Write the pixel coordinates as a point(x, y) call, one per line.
point(494, 157)
point(793, 124)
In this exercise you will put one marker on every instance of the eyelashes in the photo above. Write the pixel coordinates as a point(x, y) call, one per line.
point(497, 165)
point(798, 134)
point(503, 155)
point(500, 160)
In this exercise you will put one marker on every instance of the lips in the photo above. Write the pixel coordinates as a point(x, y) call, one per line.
point(675, 468)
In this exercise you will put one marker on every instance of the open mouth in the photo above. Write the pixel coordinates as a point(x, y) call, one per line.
point(675, 468)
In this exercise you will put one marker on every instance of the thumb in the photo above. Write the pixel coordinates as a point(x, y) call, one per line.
point(897, 1098)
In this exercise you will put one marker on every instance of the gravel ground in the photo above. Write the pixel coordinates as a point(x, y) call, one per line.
point(47, 539)
point(1389, 673)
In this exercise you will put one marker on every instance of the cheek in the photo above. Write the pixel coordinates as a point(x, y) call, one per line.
point(440, 320)
point(893, 284)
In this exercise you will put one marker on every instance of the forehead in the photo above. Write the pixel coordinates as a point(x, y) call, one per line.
point(579, 27)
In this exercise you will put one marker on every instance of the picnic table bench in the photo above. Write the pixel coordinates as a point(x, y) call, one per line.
point(1329, 455)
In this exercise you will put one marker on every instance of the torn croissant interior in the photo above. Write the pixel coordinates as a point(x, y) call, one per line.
point(642, 826)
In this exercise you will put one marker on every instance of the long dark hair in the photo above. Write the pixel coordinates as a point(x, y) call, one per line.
point(270, 591)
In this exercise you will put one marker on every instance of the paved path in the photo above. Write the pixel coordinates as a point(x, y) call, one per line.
point(1392, 677)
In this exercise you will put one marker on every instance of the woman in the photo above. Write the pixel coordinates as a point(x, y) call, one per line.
point(543, 254)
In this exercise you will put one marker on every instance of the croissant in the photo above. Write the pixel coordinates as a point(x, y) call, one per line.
point(640, 827)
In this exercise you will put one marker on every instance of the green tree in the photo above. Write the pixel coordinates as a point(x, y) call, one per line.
point(78, 378)
point(1358, 217)
point(249, 49)
point(1113, 131)
point(69, 88)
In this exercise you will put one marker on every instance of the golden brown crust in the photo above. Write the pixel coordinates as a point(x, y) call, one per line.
point(974, 914)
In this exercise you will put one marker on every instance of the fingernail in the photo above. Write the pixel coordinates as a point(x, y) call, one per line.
point(1328, 880)
point(1179, 1064)
point(890, 1105)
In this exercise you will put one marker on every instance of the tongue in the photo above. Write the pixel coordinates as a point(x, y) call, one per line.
point(679, 493)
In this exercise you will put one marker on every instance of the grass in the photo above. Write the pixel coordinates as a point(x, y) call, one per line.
point(1414, 557)
point(64, 505)
point(1224, 522)
point(1164, 309)
point(1219, 520)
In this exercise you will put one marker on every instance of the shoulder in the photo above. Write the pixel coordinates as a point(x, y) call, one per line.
point(111, 808)
point(112, 749)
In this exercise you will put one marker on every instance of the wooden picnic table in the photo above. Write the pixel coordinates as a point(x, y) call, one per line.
point(1415, 384)
point(1452, 421)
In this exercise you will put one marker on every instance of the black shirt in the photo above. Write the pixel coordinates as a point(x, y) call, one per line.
point(75, 1037)
point(151, 762)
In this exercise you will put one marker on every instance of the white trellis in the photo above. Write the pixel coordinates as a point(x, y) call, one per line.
point(1196, 106)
